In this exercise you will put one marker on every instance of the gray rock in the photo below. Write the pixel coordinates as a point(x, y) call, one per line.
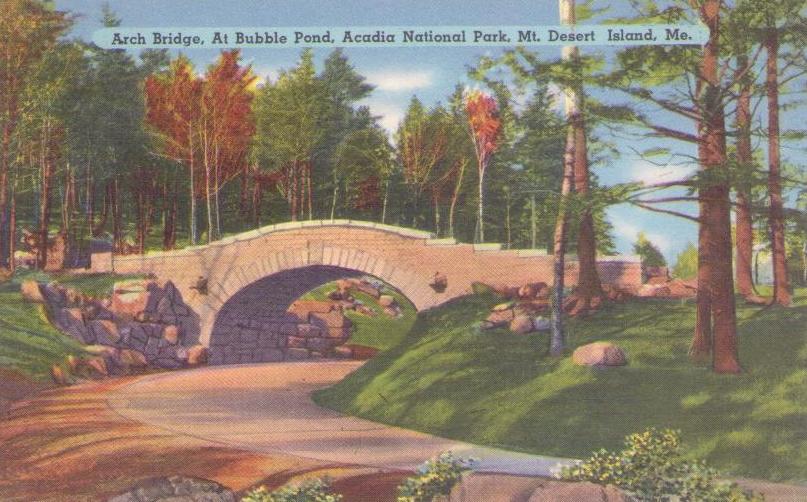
point(176, 489)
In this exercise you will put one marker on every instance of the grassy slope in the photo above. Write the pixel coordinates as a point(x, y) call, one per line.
point(380, 332)
point(29, 344)
point(501, 389)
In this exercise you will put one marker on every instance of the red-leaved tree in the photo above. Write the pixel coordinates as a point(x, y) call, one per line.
point(483, 118)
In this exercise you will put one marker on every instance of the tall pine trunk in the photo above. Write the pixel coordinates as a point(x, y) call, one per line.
point(715, 240)
point(481, 214)
point(776, 220)
point(454, 198)
point(569, 53)
point(744, 233)
point(588, 281)
point(45, 188)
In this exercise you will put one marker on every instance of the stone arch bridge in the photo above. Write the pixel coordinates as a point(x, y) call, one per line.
point(252, 278)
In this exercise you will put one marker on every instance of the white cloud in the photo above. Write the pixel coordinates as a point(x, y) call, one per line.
point(630, 233)
point(264, 74)
point(400, 81)
point(648, 173)
point(391, 113)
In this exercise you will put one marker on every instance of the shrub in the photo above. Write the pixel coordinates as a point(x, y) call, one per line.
point(314, 490)
point(434, 479)
point(686, 264)
point(652, 468)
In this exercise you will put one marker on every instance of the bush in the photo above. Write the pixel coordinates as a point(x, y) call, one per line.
point(315, 490)
point(686, 264)
point(652, 468)
point(434, 480)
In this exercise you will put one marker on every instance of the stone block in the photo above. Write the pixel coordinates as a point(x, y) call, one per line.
point(309, 330)
point(321, 344)
point(271, 355)
point(295, 354)
point(297, 342)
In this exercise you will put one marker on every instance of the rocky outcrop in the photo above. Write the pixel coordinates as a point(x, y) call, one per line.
point(176, 489)
point(599, 354)
point(144, 324)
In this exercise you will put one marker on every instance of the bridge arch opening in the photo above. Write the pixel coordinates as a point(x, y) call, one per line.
point(263, 322)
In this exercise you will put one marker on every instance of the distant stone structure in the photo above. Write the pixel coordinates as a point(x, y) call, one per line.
point(253, 278)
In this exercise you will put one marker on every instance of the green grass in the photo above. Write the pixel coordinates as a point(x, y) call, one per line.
point(381, 332)
point(29, 345)
point(95, 285)
point(496, 388)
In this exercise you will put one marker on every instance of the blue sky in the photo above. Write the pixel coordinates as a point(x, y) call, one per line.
point(398, 73)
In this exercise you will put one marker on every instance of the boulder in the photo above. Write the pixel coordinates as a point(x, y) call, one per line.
point(176, 488)
point(132, 359)
point(347, 285)
point(365, 310)
point(96, 366)
point(387, 301)
point(74, 297)
point(70, 321)
point(58, 375)
point(31, 292)
point(54, 294)
point(330, 319)
point(198, 354)
point(522, 325)
point(541, 324)
point(531, 291)
point(599, 354)
point(105, 332)
point(578, 492)
point(499, 318)
point(103, 351)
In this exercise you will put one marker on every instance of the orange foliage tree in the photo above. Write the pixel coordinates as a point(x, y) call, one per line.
point(483, 118)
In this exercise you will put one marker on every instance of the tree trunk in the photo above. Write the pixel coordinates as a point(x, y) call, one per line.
point(715, 241)
point(208, 198)
point(194, 232)
point(12, 227)
point(588, 281)
point(117, 230)
point(558, 339)
point(454, 199)
point(294, 197)
point(98, 228)
point(46, 187)
point(481, 215)
point(308, 189)
point(5, 166)
point(781, 286)
point(744, 233)
point(436, 198)
point(384, 205)
point(333, 199)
